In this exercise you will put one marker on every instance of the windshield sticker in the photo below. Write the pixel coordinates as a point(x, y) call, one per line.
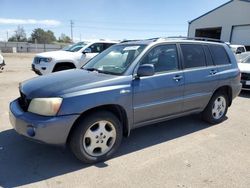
point(131, 48)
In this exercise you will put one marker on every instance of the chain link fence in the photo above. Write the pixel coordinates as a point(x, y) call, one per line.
point(14, 47)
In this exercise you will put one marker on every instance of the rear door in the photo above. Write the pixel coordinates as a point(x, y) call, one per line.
point(161, 95)
point(201, 77)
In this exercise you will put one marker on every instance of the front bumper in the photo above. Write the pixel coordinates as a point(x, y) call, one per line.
point(36, 70)
point(42, 68)
point(2, 65)
point(49, 130)
point(245, 84)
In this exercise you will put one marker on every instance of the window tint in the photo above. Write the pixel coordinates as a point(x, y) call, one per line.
point(219, 55)
point(240, 50)
point(107, 45)
point(193, 55)
point(96, 48)
point(164, 58)
point(209, 59)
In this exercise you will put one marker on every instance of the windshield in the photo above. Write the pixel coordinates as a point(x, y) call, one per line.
point(242, 56)
point(246, 60)
point(115, 60)
point(76, 47)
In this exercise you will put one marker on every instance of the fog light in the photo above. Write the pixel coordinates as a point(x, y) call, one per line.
point(44, 68)
point(31, 131)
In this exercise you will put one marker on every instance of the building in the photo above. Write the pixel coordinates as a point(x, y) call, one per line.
point(229, 22)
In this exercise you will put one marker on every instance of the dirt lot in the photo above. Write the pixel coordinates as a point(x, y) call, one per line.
point(185, 152)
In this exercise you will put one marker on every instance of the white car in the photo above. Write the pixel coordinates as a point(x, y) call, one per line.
point(2, 63)
point(238, 49)
point(244, 66)
point(74, 56)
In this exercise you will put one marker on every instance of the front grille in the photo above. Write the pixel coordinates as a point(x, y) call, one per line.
point(37, 60)
point(245, 76)
point(24, 102)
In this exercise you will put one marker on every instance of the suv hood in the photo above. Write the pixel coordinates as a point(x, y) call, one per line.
point(65, 82)
point(244, 67)
point(59, 54)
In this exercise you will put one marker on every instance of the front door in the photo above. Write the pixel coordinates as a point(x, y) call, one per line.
point(161, 95)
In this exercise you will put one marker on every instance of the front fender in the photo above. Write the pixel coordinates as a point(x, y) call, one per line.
point(81, 101)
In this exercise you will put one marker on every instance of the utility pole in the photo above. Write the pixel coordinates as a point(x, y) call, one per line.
point(71, 28)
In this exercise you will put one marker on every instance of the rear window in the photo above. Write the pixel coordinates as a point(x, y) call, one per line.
point(193, 55)
point(219, 55)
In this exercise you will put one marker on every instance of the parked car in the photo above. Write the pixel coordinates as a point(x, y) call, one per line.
point(2, 62)
point(244, 66)
point(238, 49)
point(241, 57)
point(129, 85)
point(74, 56)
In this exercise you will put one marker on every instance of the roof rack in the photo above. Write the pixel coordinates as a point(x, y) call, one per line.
point(197, 38)
point(153, 39)
point(129, 41)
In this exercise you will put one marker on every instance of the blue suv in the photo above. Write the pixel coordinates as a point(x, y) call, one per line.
point(129, 85)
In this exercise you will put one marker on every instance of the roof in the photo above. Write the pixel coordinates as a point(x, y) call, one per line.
point(172, 39)
point(214, 10)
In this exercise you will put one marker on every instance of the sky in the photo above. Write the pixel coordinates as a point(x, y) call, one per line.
point(103, 19)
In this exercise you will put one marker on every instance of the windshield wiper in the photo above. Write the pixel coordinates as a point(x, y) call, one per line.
point(100, 71)
point(92, 69)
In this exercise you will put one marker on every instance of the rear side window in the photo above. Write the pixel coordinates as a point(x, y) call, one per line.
point(209, 59)
point(193, 55)
point(219, 55)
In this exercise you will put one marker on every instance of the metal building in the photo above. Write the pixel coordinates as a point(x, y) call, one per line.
point(229, 22)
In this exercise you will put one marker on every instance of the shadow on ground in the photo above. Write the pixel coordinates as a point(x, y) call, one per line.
point(245, 94)
point(23, 162)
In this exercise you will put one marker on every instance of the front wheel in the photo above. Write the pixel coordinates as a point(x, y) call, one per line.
point(216, 108)
point(96, 137)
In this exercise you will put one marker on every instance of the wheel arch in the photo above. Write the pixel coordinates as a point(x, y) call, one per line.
point(66, 63)
point(117, 110)
point(226, 89)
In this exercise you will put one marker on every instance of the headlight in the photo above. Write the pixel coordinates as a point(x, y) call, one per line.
point(46, 59)
point(45, 106)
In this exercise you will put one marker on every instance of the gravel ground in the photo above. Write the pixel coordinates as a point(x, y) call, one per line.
point(185, 152)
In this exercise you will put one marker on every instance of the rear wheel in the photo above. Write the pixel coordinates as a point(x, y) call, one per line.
point(216, 109)
point(96, 137)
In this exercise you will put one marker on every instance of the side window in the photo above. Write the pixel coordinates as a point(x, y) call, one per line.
point(219, 55)
point(193, 55)
point(96, 48)
point(209, 59)
point(164, 58)
point(107, 45)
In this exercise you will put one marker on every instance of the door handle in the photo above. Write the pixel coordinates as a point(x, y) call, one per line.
point(213, 72)
point(177, 78)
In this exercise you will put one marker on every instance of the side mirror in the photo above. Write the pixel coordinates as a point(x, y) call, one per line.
point(145, 70)
point(87, 50)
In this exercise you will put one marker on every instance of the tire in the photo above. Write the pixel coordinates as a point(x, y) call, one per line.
point(216, 109)
point(62, 68)
point(97, 137)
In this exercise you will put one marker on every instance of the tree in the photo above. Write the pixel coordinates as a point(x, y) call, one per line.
point(42, 36)
point(19, 36)
point(64, 38)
